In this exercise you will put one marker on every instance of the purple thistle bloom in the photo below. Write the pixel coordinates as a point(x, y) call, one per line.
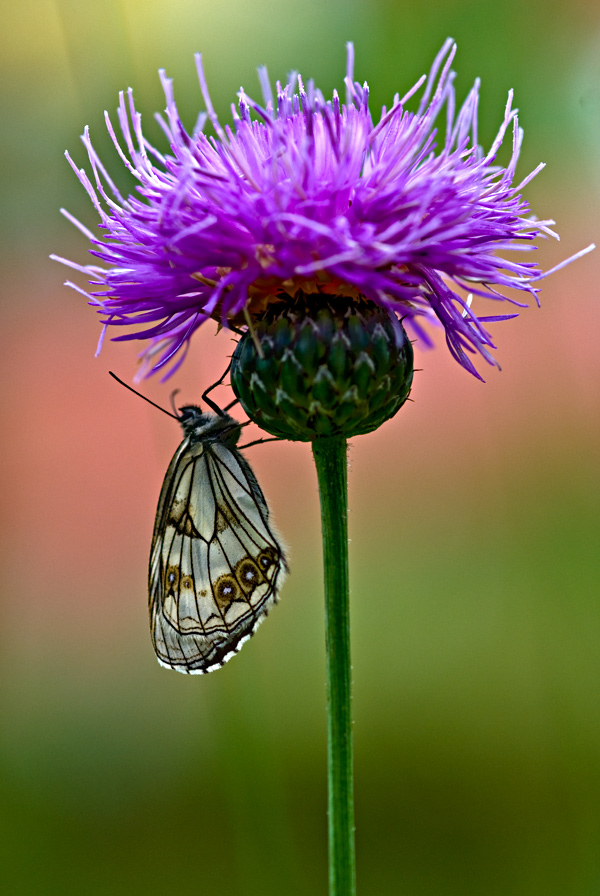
point(308, 194)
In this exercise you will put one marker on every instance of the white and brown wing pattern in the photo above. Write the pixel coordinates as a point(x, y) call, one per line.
point(216, 565)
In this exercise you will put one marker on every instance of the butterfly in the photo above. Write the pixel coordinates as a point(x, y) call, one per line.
point(216, 562)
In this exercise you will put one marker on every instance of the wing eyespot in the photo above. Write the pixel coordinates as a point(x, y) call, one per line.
point(248, 575)
point(266, 559)
point(226, 590)
point(172, 579)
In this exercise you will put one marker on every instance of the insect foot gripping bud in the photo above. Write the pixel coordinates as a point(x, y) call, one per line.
point(327, 366)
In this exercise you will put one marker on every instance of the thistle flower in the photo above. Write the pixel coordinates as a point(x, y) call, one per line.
point(303, 196)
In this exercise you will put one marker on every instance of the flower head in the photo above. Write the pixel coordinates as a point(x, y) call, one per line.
point(302, 196)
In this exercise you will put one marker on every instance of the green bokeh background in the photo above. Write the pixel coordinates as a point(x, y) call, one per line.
point(475, 556)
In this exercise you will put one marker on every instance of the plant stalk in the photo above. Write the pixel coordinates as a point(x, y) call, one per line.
point(331, 463)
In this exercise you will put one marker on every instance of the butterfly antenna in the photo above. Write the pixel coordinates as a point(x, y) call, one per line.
point(172, 399)
point(139, 394)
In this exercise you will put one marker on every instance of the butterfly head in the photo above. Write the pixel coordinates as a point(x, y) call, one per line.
point(202, 427)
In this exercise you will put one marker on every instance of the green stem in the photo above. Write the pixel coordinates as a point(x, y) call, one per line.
point(331, 464)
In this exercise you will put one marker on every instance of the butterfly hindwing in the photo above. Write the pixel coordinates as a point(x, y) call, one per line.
point(216, 565)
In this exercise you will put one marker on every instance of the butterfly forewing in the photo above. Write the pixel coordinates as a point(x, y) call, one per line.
point(216, 565)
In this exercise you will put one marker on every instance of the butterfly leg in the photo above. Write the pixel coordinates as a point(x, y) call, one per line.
point(215, 407)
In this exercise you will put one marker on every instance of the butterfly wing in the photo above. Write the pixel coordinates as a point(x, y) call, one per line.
point(216, 565)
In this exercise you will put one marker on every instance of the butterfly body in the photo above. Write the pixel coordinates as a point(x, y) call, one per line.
point(216, 564)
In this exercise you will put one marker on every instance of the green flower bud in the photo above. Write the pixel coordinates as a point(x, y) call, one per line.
point(327, 366)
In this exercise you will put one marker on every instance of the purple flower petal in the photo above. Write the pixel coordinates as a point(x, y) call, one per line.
point(304, 193)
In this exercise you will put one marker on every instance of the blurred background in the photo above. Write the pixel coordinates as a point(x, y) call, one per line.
point(475, 513)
